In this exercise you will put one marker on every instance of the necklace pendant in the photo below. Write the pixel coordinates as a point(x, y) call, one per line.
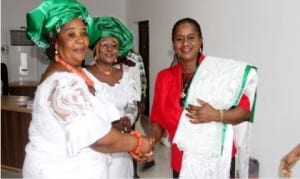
point(107, 73)
point(182, 94)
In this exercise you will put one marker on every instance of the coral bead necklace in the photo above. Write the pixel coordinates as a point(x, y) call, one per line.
point(80, 73)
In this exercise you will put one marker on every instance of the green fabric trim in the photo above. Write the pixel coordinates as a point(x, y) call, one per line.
point(242, 88)
point(247, 71)
point(254, 102)
point(248, 68)
point(223, 137)
point(253, 108)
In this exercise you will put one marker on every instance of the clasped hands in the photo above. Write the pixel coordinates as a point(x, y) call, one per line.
point(147, 146)
point(147, 149)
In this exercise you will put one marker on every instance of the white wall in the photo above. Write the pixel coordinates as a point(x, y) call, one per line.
point(262, 32)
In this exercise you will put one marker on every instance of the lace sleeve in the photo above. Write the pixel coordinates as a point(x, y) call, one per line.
point(74, 107)
point(68, 100)
point(133, 93)
point(131, 111)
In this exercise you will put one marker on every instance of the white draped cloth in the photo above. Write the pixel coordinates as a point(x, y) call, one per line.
point(66, 120)
point(124, 96)
point(208, 146)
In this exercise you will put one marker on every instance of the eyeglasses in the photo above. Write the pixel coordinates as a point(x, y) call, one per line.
point(109, 45)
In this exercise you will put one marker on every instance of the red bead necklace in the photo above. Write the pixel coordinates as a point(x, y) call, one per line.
point(80, 73)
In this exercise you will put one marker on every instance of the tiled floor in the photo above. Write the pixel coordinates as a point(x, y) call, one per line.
point(161, 169)
point(10, 174)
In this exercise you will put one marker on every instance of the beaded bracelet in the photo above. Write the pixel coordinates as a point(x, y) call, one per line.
point(137, 149)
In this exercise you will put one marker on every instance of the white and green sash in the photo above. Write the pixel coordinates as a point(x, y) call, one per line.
point(207, 147)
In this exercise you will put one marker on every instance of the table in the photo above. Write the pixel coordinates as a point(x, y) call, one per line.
point(15, 120)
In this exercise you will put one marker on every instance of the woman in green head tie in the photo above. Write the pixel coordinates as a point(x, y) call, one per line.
point(111, 39)
point(70, 132)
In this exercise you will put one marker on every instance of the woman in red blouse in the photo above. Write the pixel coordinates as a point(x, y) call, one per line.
point(171, 88)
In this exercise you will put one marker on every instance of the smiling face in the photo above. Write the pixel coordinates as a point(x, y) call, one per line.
point(106, 50)
point(186, 41)
point(72, 42)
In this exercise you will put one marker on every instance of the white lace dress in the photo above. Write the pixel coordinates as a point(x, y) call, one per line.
point(124, 96)
point(64, 124)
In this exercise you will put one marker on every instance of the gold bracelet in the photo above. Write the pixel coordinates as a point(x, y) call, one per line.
point(221, 115)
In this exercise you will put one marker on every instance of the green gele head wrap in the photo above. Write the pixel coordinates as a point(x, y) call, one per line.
point(50, 16)
point(107, 26)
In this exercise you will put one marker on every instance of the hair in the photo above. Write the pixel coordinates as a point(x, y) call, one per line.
point(197, 28)
point(126, 61)
point(50, 51)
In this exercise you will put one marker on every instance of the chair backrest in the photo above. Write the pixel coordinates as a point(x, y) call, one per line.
point(4, 79)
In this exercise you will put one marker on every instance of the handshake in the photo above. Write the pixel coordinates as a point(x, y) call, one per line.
point(145, 147)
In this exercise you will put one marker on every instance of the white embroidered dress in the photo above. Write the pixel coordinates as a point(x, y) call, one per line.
point(207, 147)
point(65, 122)
point(124, 96)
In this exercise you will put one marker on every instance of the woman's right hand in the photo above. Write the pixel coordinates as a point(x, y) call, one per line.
point(146, 151)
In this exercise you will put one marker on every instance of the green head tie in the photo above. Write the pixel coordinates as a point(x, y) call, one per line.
point(107, 26)
point(50, 16)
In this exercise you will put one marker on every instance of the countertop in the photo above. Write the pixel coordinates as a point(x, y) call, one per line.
point(16, 103)
point(23, 84)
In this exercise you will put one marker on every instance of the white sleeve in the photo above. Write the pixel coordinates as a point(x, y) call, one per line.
point(73, 106)
point(134, 74)
point(131, 109)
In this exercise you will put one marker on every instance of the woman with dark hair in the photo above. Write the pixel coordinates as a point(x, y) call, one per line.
point(70, 134)
point(197, 101)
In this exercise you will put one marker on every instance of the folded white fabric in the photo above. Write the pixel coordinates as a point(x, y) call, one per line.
point(221, 83)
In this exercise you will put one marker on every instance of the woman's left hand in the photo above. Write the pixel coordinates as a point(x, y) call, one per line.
point(202, 113)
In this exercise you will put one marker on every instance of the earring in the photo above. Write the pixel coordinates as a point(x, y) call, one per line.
point(56, 52)
point(95, 58)
point(115, 60)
